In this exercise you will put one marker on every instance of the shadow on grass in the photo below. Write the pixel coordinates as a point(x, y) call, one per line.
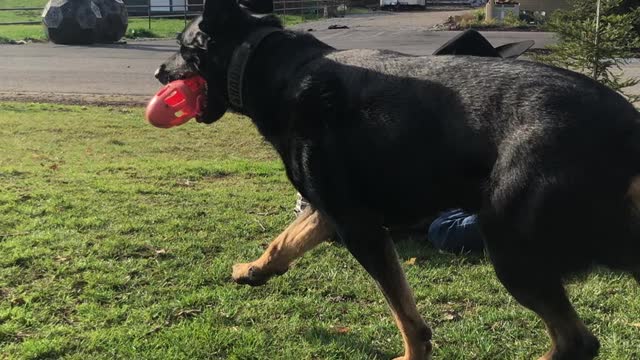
point(323, 338)
point(427, 255)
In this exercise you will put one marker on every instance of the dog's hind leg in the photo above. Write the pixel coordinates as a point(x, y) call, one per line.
point(541, 290)
point(570, 338)
point(633, 192)
point(372, 246)
point(308, 230)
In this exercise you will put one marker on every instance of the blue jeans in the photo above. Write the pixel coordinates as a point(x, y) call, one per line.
point(456, 231)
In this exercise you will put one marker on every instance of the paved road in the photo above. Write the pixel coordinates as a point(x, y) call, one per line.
point(39, 70)
point(128, 69)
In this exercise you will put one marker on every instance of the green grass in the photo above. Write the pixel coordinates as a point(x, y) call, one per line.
point(117, 241)
point(20, 32)
point(290, 20)
point(22, 3)
point(21, 15)
point(160, 28)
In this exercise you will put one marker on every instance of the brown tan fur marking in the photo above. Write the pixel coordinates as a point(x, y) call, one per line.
point(415, 332)
point(634, 191)
point(393, 284)
point(564, 334)
point(304, 233)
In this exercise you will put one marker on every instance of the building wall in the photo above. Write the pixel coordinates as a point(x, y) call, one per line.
point(542, 5)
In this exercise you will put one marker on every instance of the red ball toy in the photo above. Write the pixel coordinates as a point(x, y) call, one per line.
point(176, 103)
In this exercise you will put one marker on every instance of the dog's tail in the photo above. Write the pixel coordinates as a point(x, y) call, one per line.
point(619, 212)
point(633, 191)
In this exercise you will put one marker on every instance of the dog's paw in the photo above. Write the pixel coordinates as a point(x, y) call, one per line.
point(250, 274)
point(425, 357)
point(420, 353)
point(585, 347)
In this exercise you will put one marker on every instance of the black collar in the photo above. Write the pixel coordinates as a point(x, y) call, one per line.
point(239, 61)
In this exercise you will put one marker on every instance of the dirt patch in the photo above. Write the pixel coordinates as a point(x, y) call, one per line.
point(456, 27)
point(77, 99)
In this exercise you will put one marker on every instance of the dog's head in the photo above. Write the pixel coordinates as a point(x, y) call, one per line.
point(207, 45)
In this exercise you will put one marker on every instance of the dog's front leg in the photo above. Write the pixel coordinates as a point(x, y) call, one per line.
point(372, 246)
point(308, 230)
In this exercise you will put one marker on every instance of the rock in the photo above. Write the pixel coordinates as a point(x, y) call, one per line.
point(71, 21)
point(84, 21)
point(114, 22)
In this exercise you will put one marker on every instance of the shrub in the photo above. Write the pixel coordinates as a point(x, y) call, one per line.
point(598, 54)
point(140, 33)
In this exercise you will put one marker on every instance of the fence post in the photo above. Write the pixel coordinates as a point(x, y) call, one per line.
point(284, 12)
point(186, 3)
point(149, 12)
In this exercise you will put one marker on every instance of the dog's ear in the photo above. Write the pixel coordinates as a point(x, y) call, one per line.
point(217, 13)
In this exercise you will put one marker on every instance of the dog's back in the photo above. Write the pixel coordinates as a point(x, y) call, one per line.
point(458, 121)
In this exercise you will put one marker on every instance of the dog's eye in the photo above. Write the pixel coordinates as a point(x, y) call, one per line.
point(202, 40)
point(190, 55)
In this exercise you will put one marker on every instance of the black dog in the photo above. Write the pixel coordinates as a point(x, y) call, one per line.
point(548, 158)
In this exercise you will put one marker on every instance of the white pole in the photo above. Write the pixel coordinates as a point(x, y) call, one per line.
point(488, 11)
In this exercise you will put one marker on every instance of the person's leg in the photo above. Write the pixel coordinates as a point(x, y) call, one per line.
point(308, 230)
point(456, 231)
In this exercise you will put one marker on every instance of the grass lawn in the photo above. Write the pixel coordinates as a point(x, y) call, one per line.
point(21, 15)
point(19, 32)
point(117, 241)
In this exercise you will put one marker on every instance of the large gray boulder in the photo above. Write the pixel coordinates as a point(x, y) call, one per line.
point(114, 22)
point(84, 21)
